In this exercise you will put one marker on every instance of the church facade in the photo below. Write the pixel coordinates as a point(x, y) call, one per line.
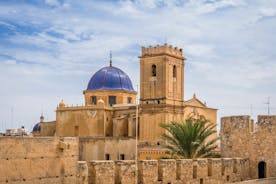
point(106, 123)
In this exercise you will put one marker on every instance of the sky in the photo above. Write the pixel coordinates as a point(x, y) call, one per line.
point(49, 49)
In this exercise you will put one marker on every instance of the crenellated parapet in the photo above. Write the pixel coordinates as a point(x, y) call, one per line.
point(162, 49)
point(266, 120)
point(203, 170)
point(245, 124)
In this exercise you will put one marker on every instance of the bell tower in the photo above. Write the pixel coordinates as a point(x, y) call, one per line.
point(161, 75)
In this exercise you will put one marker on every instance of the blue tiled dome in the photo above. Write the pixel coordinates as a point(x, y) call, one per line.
point(110, 78)
point(36, 128)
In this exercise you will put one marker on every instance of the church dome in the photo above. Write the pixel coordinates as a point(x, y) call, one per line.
point(110, 78)
point(36, 128)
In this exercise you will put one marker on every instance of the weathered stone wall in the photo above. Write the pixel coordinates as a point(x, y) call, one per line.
point(48, 128)
point(96, 148)
point(238, 140)
point(207, 171)
point(259, 181)
point(81, 121)
point(39, 160)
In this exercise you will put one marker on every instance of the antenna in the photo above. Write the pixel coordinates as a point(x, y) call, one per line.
point(110, 61)
point(268, 105)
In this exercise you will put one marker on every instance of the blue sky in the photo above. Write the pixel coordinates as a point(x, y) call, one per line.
point(50, 49)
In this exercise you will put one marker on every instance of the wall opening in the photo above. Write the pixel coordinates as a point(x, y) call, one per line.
point(129, 100)
point(201, 181)
point(174, 71)
point(122, 157)
point(76, 131)
point(222, 170)
point(153, 70)
point(112, 100)
point(210, 172)
point(194, 171)
point(107, 157)
point(178, 170)
point(235, 170)
point(93, 100)
point(262, 169)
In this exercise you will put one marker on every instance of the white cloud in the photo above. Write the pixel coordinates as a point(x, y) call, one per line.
point(267, 12)
point(9, 61)
point(200, 50)
point(52, 2)
point(10, 26)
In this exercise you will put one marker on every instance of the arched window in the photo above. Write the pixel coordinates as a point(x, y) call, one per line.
point(262, 169)
point(153, 70)
point(174, 71)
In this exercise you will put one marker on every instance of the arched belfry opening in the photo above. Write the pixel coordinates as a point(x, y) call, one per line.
point(262, 169)
point(153, 70)
point(174, 71)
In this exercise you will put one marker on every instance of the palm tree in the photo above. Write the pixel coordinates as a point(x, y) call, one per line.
point(190, 139)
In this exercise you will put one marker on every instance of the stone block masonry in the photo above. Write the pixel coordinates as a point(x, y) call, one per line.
point(168, 171)
point(40, 160)
point(241, 137)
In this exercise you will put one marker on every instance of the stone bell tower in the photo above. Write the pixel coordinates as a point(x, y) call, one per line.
point(162, 75)
point(161, 90)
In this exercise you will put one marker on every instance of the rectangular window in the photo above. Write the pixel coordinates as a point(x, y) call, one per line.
point(76, 131)
point(112, 100)
point(129, 99)
point(122, 157)
point(107, 157)
point(93, 100)
point(201, 181)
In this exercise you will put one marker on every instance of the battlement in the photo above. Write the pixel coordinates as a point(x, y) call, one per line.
point(213, 170)
point(162, 49)
point(266, 120)
point(246, 124)
point(236, 123)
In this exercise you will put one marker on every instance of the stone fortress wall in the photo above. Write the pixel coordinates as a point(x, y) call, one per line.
point(240, 137)
point(39, 160)
point(169, 171)
point(47, 160)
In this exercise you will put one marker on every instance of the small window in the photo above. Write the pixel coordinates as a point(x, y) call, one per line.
point(201, 181)
point(129, 99)
point(93, 100)
point(107, 157)
point(122, 157)
point(174, 71)
point(153, 70)
point(112, 100)
point(76, 131)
